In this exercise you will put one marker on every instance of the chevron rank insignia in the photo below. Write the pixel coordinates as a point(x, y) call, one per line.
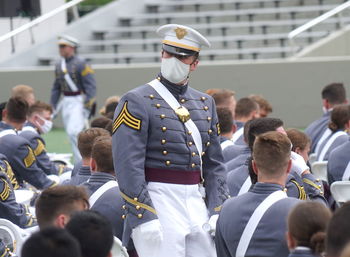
point(126, 118)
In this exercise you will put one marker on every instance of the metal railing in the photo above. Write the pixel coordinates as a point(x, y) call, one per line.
point(38, 20)
point(337, 10)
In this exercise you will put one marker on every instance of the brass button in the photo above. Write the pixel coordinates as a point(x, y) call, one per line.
point(190, 143)
point(208, 143)
point(285, 190)
point(151, 96)
point(182, 100)
point(158, 106)
point(167, 163)
point(193, 153)
point(318, 180)
point(138, 207)
point(163, 129)
point(210, 131)
point(162, 116)
point(163, 141)
point(124, 207)
point(139, 215)
point(189, 132)
point(165, 152)
point(193, 165)
point(206, 108)
point(203, 98)
point(203, 153)
point(209, 118)
point(123, 217)
point(135, 199)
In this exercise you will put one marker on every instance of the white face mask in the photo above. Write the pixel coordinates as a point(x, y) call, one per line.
point(324, 110)
point(174, 70)
point(46, 127)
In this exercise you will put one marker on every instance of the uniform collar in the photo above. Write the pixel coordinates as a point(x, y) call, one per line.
point(176, 90)
point(266, 188)
point(29, 124)
point(4, 126)
point(100, 175)
point(84, 171)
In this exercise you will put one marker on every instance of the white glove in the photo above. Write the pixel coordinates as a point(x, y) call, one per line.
point(147, 238)
point(210, 226)
point(298, 163)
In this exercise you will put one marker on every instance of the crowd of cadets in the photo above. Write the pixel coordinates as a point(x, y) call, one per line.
point(261, 158)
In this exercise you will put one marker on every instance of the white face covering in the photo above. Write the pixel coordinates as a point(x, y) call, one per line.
point(46, 127)
point(174, 70)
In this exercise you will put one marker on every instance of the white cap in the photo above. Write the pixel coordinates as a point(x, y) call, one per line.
point(182, 37)
point(68, 40)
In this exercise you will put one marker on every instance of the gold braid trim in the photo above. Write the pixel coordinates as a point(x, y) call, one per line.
point(311, 183)
point(142, 205)
point(302, 194)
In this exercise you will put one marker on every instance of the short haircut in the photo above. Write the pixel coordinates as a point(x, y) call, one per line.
point(21, 91)
point(225, 119)
point(39, 106)
point(111, 107)
point(245, 106)
point(262, 125)
point(338, 231)
point(221, 96)
point(93, 231)
point(58, 200)
point(86, 139)
point(298, 139)
point(99, 122)
point(262, 102)
point(335, 93)
point(271, 153)
point(339, 117)
point(17, 109)
point(102, 153)
point(53, 242)
point(307, 224)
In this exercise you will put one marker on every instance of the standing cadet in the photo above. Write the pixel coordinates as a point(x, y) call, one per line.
point(75, 80)
point(166, 147)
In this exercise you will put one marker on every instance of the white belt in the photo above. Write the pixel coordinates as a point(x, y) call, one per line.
point(237, 134)
point(329, 143)
point(7, 132)
point(68, 79)
point(325, 134)
point(225, 144)
point(99, 192)
point(246, 185)
point(346, 175)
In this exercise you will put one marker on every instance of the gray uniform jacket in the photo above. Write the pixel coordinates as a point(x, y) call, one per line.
point(22, 159)
point(337, 162)
point(148, 134)
point(302, 253)
point(316, 129)
point(337, 142)
point(240, 140)
point(81, 74)
point(240, 159)
point(82, 176)
point(232, 151)
point(269, 237)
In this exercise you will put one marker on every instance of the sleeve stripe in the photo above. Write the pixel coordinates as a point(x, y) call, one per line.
point(126, 118)
point(146, 207)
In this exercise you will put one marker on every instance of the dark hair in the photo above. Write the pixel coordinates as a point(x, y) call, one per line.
point(86, 139)
point(245, 106)
point(100, 122)
point(220, 96)
point(111, 107)
point(109, 127)
point(17, 109)
point(225, 119)
point(93, 231)
point(339, 117)
point(262, 125)
point(58, 200)
point(298, 139)
point(307, 224)
point(338, 231)
point(102, 153)
point(334, 93)
point(53, 242)
point(39, 106)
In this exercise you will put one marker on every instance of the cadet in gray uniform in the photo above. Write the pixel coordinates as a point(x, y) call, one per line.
point(338, 167)
point(254, 223)
point(75, 80)
point(332, 95)
point(162, 156)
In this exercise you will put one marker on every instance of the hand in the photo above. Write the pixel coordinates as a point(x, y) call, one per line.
point(298, 164)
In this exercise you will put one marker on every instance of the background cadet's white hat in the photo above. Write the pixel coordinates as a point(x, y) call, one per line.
point(181, 40)
point(68, 40)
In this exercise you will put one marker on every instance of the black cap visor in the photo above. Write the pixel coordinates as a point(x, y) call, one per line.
point(178, 51)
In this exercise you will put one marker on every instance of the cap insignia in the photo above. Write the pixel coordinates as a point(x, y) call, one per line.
point(180, 32)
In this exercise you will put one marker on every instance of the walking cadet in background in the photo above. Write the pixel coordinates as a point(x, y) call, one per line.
point(165, 146)
point(74, 78)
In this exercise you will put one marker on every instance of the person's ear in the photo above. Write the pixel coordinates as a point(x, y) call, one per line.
point(289, 167)
point(291, 242)
point(61, 221)
point(255, 168)
point(193, 66)
point(93, 165)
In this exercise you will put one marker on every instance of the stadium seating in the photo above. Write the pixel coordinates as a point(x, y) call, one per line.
point(341, 191)
point(319, 169)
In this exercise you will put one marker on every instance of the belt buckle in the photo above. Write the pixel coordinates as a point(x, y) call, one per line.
point(183, 114)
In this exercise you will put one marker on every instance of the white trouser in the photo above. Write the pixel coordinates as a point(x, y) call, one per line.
point(181, 212)
point(73, 120)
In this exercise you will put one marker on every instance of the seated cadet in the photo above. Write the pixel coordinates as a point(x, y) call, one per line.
point(110, 101)
point(332, 95)
point(99, 122)
point(338, 231)
point(306, 234)
point(17, 149)
point(338, 167)
point(55, 205)
point(254, 223)
point(340, 122)
point(24, 91)
point(53, 242)
point(265, 107)
point(85, 141)
point(300, 141)
point(227, 126)
point(246, 109)
point(224, 98)
point(94, 233)
point(39, 122)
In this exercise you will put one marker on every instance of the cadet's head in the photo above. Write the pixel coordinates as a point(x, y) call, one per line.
point(53, 242)
point(307, 224)
point(24, 91)
point(15, 112)
point(55, 205)
point(227, 126)
point(271, 157)
point(67, 45)
point(338, 231)
point(300, 141)
point(264, 106)
point(333, 94)
point(246, 109)
point(100, 122)
point(181, 46)
point(101, 155)
point(110, 105)
point(86, 139)
point(224, 98)
point(39, 114)
point(94, 233)
point(340, 118)
point(262, 125)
